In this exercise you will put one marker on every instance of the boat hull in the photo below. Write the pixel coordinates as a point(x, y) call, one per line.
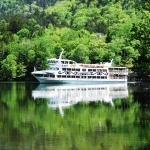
point(78, 81)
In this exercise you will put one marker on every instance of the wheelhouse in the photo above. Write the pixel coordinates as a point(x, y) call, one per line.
point(58, 64)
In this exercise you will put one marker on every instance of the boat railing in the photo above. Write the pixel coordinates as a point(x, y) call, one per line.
point(118, 71)
point(118, 77)
point(92, 66)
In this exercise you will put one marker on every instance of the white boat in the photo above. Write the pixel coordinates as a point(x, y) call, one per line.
point(68, 71)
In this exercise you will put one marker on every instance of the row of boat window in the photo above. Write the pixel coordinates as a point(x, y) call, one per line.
point(93, 70)
point(62, 62)
point(44, 75)
point(89, 77)
point(68, 76)
point(89, 70)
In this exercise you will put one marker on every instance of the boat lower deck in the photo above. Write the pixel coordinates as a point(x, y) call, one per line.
point(78, 80)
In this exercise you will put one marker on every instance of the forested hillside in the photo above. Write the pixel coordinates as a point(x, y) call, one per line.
point(90, 31)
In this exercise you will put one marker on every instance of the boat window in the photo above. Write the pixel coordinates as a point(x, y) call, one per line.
point(99, 70)
point(71, 62)
point(83, 69)
point(77, 76)
point(46, 75)
point(94, 70)
point(73, 69)
point(83, 76)
point(77, 69)
point(104, 70)
point(63, 76)
point(66, 62)
point(52, 75)
point(69, 69)
point(110, 69)
point(52, 61)
point(64, 69)
point(39, 75)
point(59, 76)
point(89, 69)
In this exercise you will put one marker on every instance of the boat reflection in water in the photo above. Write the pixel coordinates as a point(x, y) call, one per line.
point(62, 96)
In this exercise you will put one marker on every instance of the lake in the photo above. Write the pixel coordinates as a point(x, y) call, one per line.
point(74, 117)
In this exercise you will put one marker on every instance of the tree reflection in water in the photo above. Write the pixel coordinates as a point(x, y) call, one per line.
point(30, 123)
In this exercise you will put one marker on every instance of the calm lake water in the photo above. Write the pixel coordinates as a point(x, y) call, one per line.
point(82, 117)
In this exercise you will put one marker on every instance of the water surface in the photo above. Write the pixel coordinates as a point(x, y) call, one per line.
point(67, 117)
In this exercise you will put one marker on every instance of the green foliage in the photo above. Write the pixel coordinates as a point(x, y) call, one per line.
point(21, 70)
point(16, 23)
point(8, 67)
point(88, 31)
point(3, 26)
point(81, 54)
point(60, 14)
point(140, 35)
point(87, 18)
point(23, 33)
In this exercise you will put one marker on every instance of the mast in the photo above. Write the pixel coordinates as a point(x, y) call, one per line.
point(59, 60)
point(111, 61)
point(61, 54)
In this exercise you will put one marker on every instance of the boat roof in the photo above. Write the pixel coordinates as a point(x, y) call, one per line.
point(104, 64)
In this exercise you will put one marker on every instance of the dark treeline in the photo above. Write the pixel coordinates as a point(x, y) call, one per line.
point(90, 31)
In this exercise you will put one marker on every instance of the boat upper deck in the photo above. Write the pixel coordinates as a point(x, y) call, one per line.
point(66, 63)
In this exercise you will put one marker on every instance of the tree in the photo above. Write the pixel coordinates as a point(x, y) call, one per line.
point(3, 26)
point(33, 27)
point(87, 18)
point(9, 68)
point(16, 23)
point(60, 14)
point(23, 33)
point(140, 34)
point(81, 54)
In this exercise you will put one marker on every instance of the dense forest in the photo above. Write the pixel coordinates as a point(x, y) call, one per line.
point(90, 31)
